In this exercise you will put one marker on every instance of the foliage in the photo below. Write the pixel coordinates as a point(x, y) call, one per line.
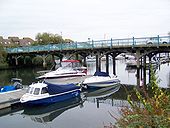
point(46, 38)
point(152, 110)
point(37, 61)
point(3, 55)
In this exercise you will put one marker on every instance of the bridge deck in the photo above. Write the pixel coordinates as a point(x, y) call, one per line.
point(148, 42)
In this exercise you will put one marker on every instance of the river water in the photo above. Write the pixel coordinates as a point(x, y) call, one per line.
point(91, 110)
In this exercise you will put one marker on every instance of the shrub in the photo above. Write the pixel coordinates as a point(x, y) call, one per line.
point(152, 110)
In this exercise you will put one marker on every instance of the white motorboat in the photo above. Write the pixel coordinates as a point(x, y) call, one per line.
point(101, 79)
point(69, 68)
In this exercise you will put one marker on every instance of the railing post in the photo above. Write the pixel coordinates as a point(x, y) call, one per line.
point(111, 43)
point(158, 41)
point(133, 41)
point(76, 44)
point(60, 46)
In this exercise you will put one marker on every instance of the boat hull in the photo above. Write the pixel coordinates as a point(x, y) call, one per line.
point(102, 84)
point(53, 98)
point(99, 82)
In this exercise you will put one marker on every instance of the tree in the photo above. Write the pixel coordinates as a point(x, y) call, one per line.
point(3, 55)
point(46, 38)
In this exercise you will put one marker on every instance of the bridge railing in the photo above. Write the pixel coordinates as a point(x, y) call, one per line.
point(131, 42)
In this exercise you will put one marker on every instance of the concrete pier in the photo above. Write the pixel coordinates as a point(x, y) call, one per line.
point(7, 99)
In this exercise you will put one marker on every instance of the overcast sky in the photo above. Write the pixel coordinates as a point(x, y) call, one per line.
point(83, 19)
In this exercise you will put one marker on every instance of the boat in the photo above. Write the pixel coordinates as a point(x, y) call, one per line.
point(101, 79)
point(16, 84)
point(42, 93)
point(46, 114)
point(68, 69)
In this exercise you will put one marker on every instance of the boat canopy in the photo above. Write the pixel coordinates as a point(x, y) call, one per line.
point(98, 73)
point(55, 88)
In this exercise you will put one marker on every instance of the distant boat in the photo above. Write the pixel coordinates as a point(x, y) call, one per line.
point(101, 79)
point(131, 63)
point(46, 93)
point(91, 59)
point(68, 69)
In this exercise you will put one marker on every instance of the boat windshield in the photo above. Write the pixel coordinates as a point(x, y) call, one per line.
point(44, 90)
point(30, 90)
point(36, 91)
point(70, 64)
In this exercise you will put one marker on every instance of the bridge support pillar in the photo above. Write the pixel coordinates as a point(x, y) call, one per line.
point(138, 68)
point(150, 57)
point(77, 56)
point(53, 61)
point(100, 64)
point(114, 65)
point(16, 60)
point(44, 61)
point(97, 63)
point(144, 70)
point(84, 61)
point(107, 63)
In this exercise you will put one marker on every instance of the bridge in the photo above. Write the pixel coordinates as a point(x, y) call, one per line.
point(139, 47)
point(104, 44)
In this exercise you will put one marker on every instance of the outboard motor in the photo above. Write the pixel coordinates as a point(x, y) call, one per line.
point(17, 83)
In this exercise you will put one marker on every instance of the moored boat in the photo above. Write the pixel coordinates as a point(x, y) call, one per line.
point(46, 93)
point(68, 69)
point(101, 79)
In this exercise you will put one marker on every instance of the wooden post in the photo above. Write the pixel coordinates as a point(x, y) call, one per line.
point(150, 68)
point(138, 68)
point(107, 63)
point(97, 61)
point(144, 70)
point(114, 65)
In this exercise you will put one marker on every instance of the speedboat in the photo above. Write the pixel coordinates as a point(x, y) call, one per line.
point(68, 68)
point(42, 93)
point(16, 84)
point(101, 79)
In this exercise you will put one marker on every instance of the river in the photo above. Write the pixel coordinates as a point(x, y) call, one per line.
point(85, 112)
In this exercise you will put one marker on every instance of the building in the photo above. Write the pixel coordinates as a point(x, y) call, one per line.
point(12, 41)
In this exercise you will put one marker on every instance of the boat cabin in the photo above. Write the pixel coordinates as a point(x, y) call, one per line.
point(37, 89)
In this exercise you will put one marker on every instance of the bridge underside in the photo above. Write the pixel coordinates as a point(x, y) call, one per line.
point(140, 52)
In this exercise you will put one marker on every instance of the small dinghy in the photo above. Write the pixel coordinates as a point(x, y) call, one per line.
point(101, 79)
point(46, 93)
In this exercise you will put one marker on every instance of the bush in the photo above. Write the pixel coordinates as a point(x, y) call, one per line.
point(152, 110)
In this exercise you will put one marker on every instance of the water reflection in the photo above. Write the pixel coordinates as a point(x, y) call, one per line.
point(44, 114)
point(96, 95)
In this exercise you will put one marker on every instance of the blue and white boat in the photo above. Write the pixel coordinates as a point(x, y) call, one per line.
point(46, 93)
point(101, 79)
point(16, 85)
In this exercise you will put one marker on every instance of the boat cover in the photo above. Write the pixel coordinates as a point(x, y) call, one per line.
point(98, 73)
point(7, 88)
point(55, 88)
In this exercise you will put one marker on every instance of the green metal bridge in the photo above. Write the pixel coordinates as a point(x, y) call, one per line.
point(112, 43)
